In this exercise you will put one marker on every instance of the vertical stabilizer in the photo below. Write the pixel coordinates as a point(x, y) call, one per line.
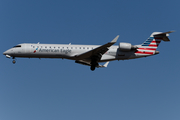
point(151, 44)
point(155, 39)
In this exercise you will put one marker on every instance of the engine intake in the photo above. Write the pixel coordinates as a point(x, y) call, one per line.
point(127, 47)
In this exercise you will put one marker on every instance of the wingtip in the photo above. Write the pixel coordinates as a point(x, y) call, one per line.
point(106, 64)
point(171, 31)
point(115, 39)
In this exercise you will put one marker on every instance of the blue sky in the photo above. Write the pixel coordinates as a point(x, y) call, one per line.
point(139, 89)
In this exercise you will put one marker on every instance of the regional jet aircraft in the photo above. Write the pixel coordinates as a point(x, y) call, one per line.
point(90, 55)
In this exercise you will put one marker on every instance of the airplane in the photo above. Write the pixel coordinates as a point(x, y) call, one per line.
point(90, 55)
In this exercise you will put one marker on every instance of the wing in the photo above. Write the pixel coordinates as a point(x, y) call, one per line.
point(89, 64)
point(97, 51)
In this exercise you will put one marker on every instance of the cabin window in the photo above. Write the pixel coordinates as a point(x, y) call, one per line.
point(45, 46)
point(54, 47)
point(58, 47)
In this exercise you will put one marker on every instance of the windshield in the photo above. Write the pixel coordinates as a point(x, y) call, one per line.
point(17, 46)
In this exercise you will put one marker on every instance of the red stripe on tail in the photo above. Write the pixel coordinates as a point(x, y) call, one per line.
point(153, 45)
point(147, 48)
point(155, 41)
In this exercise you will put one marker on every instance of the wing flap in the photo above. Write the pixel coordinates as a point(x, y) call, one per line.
point(89, 64)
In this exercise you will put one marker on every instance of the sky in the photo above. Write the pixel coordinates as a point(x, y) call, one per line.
point(56, 89)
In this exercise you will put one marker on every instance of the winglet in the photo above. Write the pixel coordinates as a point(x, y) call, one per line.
point(115, 39)
point(106, 64)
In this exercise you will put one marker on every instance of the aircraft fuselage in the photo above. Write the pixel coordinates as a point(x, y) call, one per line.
point(64, 51)
point(90, 55)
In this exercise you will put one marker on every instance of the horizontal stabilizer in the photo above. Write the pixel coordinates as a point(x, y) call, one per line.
point(163, 36)
point(165, 33)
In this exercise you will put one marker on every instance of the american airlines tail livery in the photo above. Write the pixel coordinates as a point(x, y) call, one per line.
point(90, 55)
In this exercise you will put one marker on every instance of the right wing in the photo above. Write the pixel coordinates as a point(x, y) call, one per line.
point(97, 51)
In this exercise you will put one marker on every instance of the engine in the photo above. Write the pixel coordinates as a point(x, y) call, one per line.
point(126, 47)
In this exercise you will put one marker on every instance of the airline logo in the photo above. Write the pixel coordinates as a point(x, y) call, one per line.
point(149, 46)
point(35, 50)
point(152, 42)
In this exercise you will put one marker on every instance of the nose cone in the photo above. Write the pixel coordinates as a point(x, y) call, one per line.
point(8, 52)
point(5, 53)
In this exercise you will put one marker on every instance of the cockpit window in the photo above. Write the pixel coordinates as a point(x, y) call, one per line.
point(17, 46)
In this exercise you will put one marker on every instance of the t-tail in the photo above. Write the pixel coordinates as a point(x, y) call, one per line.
point(151, 44)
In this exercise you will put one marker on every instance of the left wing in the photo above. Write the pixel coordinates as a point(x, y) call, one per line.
point(99, 50)
point(89, 64)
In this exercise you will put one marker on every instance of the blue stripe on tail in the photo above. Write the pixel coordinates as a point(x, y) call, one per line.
point(148, 41)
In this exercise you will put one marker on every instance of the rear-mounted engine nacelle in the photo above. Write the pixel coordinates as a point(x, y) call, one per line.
point(127, 47)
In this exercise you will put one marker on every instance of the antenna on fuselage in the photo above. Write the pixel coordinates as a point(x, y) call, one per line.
point(69, 43)
point(38, 42)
